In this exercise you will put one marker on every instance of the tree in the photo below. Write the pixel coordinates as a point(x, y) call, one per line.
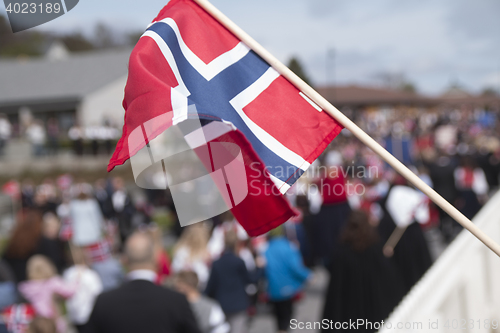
point(133, 37)
point(395, 81)
point(104, 37)
point(28, 43)
point(296, 67)
point(76, 42)
point(489, 91)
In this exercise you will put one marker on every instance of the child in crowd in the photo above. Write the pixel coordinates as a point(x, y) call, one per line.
point(286, 276)
point(41, 288)
point(208, 312)
point(227, 284)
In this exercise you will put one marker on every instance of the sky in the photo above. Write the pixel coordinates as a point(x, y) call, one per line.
point(432, 43)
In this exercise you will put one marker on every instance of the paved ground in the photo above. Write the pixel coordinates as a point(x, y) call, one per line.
point(308, 309)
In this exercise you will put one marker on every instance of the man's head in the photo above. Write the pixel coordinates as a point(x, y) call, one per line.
point(140, 252)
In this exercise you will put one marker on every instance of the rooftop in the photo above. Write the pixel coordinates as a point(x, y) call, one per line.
point(61, 78)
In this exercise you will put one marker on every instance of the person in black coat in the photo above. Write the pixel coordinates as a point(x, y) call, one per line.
point(363, 283)
point(411, 255)
point(227, 282)
point(50, 245)
point(139, 305)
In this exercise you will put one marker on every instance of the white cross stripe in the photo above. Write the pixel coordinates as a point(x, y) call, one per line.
point(248, 95)
point(210, 70)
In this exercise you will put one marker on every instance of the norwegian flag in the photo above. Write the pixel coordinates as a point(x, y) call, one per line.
point(18, 317)
point(186, 58)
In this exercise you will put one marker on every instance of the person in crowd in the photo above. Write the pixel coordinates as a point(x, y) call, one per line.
point(76, 135)
point(109, 136)
point(442, 169)
point(92, 134)
point(47, 196)
point(489, 160)
point(88, 228)
point(50, 245)
point(103, 198)
point(363, 282)
point(42, 325)
point(286, 275)
point(103, 262)
point(8, 293)
point(472, 185)
point(43, 286)
point(23, 242)
point(411, 256)
point(123, 208)
point(5, 132)
point(223, 224)
point(86, 216)
point(53, 135)
point(244, 250)
point(139, 305)
point(191, 252)
point(162, 259)
point(227, 284)
point(28, 193)
point(89, 285)
point(334, 209)
point(37, 136)
point(208, 312)
point(304, 229)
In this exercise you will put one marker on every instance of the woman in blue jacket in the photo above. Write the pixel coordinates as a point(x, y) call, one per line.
point(286, 275)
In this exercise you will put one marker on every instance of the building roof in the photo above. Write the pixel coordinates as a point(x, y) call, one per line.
point(366, 96)
point(46, 80)
point(489, 101)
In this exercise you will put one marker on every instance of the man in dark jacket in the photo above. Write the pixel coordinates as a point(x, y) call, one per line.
point(227, 282)
point(139, 305)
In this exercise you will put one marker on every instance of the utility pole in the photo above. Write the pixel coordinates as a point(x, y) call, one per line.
point(330, 69)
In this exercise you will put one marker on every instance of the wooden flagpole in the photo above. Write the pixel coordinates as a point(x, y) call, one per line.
point(393, 240)
point(351, 126)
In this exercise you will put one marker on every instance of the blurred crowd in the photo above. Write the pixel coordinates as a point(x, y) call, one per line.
point(73, 241)
point(49, 137)
point(96, 257)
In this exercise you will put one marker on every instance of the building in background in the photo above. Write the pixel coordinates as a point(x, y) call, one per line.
point(84, 88)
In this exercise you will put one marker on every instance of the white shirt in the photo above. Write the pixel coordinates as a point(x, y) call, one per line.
point(142, 274)
point(80, 305)
point(87, 221)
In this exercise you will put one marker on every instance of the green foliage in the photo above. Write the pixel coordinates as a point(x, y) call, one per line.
point(408, 87)
point(163, 218)
point(34, 42)
point(27, 43)
point(296, 67)
point(490, 91)
point(133, 37)
point(76, 42)
point(104, 37)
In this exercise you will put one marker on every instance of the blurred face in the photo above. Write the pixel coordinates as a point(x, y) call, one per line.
point(118, 183)
point(51, 228)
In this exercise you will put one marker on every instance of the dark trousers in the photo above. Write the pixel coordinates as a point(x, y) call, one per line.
point(283, 313)
point(81, 328)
